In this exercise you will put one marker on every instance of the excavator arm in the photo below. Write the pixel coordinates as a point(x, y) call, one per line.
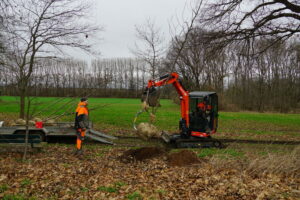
point(173, 78)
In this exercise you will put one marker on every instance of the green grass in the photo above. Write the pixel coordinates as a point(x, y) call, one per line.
point(112, 189)
point(17, 197)
point(108, 189)
point(84, 189)
point(3, 188)
point(239, 151)
point(275, 118)
point(134, 196)
point(119, 184)
point(161, 191)
point(263, 121)
point(220, 152)
point(116, 115)
point(25, 182)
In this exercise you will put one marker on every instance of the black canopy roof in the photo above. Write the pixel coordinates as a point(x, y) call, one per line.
point(196, 94)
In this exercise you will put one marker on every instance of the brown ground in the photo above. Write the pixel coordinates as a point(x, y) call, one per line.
point(180, 158)
point(142, 154)
point(183, 158)
point(56, 173)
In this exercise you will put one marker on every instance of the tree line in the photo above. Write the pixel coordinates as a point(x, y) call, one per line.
point(269, 81)
point(121, 77)
point(245, 79)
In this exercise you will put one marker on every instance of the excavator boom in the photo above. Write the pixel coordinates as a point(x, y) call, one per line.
point(173, 78)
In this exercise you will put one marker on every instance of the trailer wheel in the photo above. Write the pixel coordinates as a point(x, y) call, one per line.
point(33, 132)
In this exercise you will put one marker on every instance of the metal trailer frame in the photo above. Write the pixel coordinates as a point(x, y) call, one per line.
point(61, 129)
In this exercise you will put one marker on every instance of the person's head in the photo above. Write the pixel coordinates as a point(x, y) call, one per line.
point(201, 105)
point(85, 100)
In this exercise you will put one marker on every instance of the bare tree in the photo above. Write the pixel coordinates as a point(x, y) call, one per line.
point(3, 5)
point(39, 29)
point(179, 39)
point(152, 49)
point(199, 65)
point(242, 20)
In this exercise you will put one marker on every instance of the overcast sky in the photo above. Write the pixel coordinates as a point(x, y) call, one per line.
point(119, 17)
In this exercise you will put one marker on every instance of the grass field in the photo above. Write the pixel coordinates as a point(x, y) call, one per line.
point(117, 114)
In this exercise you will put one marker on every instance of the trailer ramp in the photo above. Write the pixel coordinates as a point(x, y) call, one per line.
point(100, 137)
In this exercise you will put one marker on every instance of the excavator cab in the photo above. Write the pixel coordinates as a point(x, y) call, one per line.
point(203, 113)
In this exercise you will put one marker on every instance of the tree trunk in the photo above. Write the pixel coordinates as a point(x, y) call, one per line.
point(22, 102)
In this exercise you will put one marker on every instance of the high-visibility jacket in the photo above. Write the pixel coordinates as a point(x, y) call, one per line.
point(81, 119)
point(82, 109)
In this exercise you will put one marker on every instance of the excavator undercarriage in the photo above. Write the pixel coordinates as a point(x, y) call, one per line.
point(177, 141)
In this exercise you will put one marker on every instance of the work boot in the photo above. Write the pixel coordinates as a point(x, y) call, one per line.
point(79, 152)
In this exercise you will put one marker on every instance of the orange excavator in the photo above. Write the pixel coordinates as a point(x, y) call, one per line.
point(199, 114)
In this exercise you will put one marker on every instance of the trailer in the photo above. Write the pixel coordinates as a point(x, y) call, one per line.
point(61, 129)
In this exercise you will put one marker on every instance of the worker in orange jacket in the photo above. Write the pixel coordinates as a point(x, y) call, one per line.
point(81, 123)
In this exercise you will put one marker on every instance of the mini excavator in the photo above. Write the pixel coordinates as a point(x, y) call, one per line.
point(199, 114)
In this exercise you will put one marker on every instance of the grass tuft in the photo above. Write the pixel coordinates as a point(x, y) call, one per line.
point(3, 188)
point(134, 196)
point(108, 189)
point(17, 197)
point(25, 182)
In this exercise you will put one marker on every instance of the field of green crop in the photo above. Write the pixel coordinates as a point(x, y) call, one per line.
point(117, 114)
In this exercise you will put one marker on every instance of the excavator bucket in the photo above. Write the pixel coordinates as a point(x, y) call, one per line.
point(151, 97)
point(166, 136)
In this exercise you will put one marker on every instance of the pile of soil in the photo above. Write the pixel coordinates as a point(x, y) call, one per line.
point(142, 154)
point(183, 158)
